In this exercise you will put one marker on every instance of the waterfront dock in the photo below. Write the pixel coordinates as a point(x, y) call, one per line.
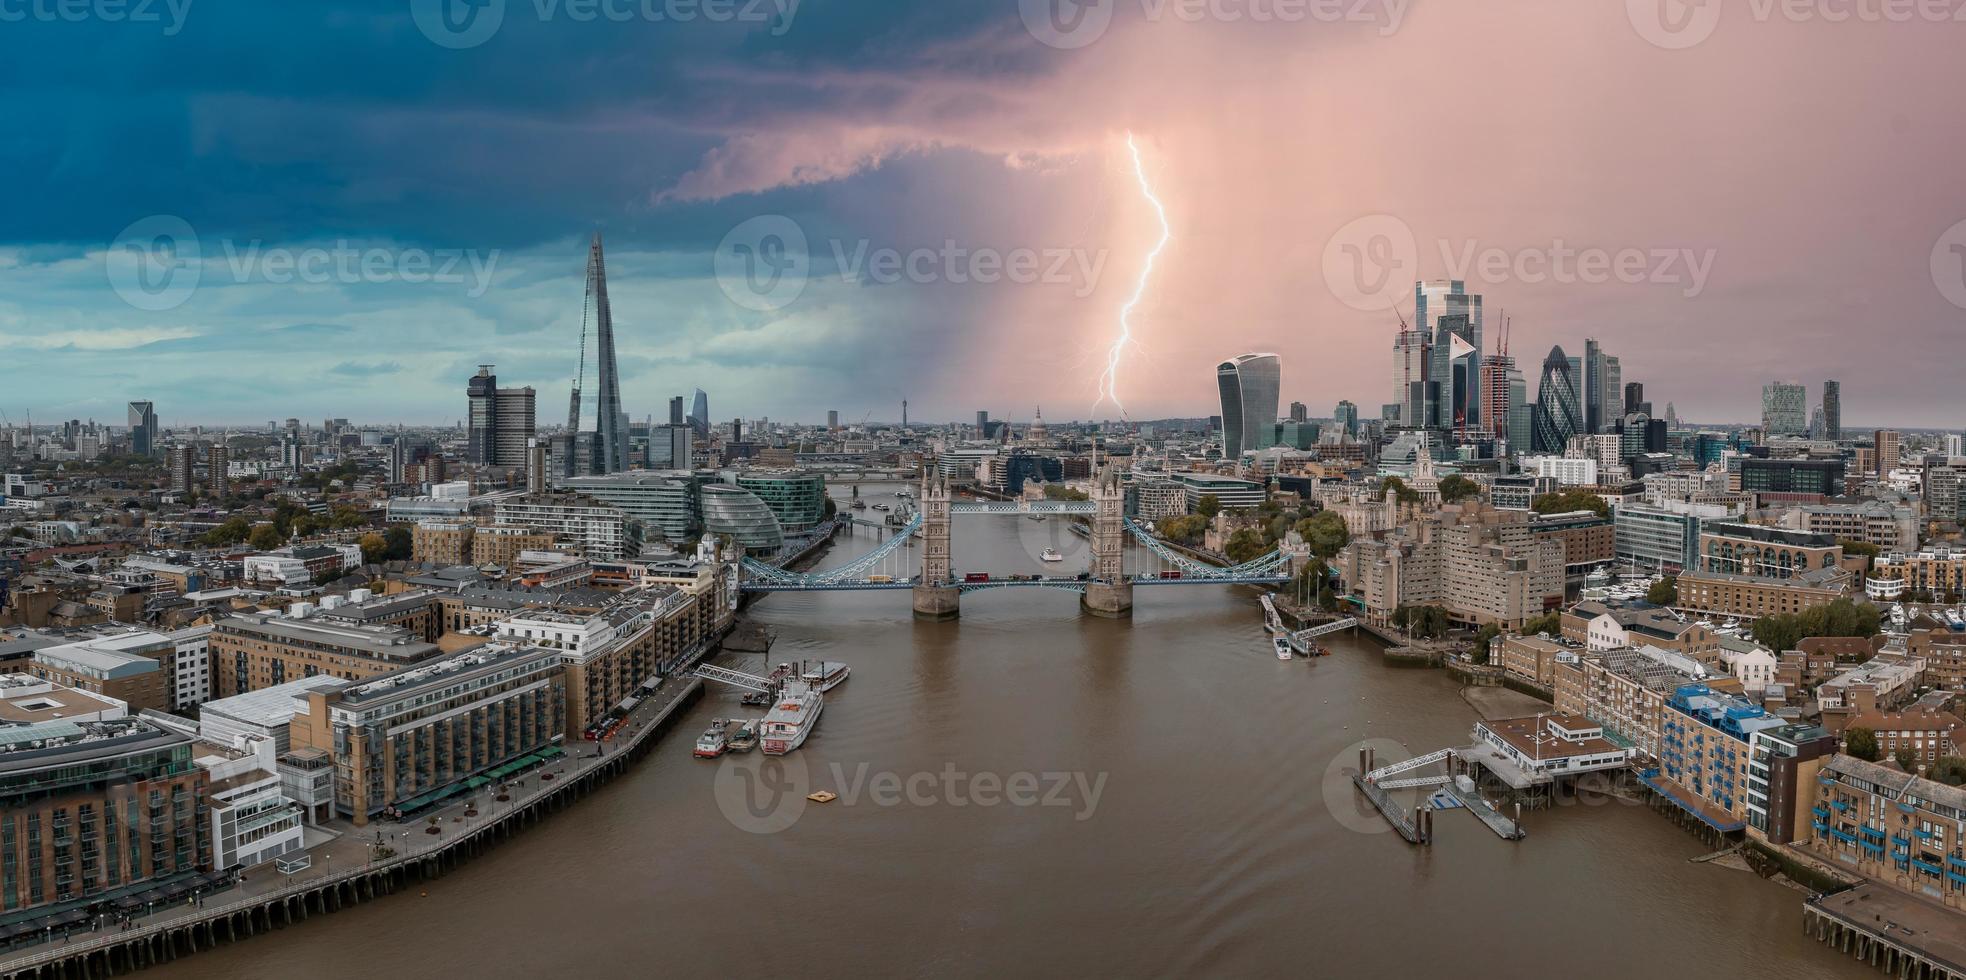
point(399, 856)
point(1416, 829)
point(1897, 933)
point(1503, 827)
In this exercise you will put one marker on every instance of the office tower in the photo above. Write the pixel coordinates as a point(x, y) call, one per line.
point(536, 481)
point(181, 460)
point(290, 450)
point(1346, 415)
point(1888, 446)
point(399, 459)
point(833, 419)
point(1955, 445)
point(1558, 414)
point(1593, 387)
point(1784, 409)
point(1521, 413)
point(1611, 399)
point(983, 423)
point(1635, 398)
point(676, 410)
point(904, 413)
point(1832, 410)
point(218, 471)
point(143, 429)
point(1410, 378)
point(499, 422)
point(699, 416)
point(1299, 412)
point(1451, 317)
point(1250, 386)
point(1495, 395)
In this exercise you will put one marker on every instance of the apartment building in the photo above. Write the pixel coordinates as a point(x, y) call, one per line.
point(1891, 827)
point(1625, 691)
point(261, 649)
point(1755, 596)
point(1704, 754)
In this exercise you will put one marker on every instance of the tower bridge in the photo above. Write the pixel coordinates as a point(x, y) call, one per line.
point(1105, 589)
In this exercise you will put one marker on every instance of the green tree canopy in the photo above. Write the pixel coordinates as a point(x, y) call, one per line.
point(1862, 743)
point(1551, 623)
point(1843, 617)
point(374, 548)
point(265, 537)
point(1059, 491)
point(1245, 544)
point(1664, 592)
point(1401, 492)
point(1950, 770)
point(1325, 533)
point(1567, 501)
point(401, 545)
point(1208, 506)
point(1457, 488)
point(1906, 759)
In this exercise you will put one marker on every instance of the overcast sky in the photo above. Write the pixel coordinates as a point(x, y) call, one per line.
point(365, 200)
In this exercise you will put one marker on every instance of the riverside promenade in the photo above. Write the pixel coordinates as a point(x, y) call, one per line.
point(363, 863)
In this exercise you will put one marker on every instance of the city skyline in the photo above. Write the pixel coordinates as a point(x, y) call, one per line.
point(668, 170)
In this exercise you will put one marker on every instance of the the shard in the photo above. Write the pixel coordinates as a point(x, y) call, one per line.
point(610, 440)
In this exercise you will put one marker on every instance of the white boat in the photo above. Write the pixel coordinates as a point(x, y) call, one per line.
point(1282, 644)
point(713, 741)
point(1050, 554)
point(790, 721)
point(824, 675)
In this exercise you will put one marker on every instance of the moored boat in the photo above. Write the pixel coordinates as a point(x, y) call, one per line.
point(1050, 554)
point(790, 722)
point(823, 675)
point(1282, 645)
point(713, 741)
point(745, 738)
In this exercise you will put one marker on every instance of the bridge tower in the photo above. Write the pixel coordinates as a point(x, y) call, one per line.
point(1109, 593)
point(936, 597)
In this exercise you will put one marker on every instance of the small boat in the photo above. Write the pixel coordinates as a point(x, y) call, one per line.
point(824, 675)
point(1282, 644)
point(1050, 554)
point(713, 741)
point(745, 738)
point(1034, 517)
point(755, 699)
point(882, 507)
point(857, 504)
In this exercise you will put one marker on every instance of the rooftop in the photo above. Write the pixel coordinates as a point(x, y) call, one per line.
point(270, 707)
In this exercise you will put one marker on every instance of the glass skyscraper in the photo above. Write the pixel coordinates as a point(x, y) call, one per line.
point(1558, 413)
point(1450, 316)
point(1250, 385)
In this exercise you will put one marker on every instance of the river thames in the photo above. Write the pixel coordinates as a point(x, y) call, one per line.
point(1034, 791)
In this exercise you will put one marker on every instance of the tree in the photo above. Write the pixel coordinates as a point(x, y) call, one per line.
point(1863, 548)
point(1568, 501)
point(1862, 743)
point(1401, 492)
point(1664, 592)
point(1245, 544)
point(400, 544)
point(1427, 622)
point(1843, 617)
point(1483, 637)
point(1551, 623)
point(1058, 491)
point(233, 531)
point(1950, 770)
point(265, 537)
point(1906, 759)
point(348, 517)
point(1325, 533)
point(374, 548)
point(1457, 488)
point(1208, 506)
point(1186, 530)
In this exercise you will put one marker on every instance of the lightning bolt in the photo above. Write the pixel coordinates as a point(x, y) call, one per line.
point(1109, 380)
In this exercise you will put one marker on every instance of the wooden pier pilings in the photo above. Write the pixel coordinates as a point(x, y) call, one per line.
point(1873, 947)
